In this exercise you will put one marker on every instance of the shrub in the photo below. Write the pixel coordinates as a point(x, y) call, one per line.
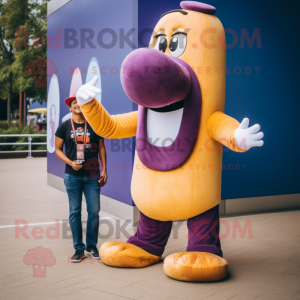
point(16, 129)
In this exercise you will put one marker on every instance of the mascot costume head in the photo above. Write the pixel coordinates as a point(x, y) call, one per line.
point(180, 126)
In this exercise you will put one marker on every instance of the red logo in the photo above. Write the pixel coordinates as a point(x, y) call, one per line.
point(39, 258)
point(93, 166)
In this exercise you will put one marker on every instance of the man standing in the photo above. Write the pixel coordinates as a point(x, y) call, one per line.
point(82, 146)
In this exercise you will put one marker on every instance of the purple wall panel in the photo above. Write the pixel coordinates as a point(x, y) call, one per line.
point(95, 15)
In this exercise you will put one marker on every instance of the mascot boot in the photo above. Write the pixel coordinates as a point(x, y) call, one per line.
point(118, 254)
point(179, 86)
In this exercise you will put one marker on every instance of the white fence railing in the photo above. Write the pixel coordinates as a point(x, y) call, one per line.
point(30, 136)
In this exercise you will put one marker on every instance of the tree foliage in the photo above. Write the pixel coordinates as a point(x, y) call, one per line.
point(31, 54)
point(23, 51)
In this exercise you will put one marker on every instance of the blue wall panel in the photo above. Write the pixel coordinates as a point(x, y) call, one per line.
point(270, 98)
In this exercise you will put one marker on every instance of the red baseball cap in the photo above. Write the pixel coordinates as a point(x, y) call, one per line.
point(68, 100)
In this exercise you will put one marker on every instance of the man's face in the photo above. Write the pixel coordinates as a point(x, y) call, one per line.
point(74, 107)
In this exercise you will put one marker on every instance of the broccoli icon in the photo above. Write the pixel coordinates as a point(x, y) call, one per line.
point(38, 68)
point(92, 165)
point(39, 258)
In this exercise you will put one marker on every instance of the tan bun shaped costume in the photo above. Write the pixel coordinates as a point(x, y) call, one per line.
point(179, 85)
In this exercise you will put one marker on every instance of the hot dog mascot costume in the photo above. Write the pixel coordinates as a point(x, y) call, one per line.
point(179, 86)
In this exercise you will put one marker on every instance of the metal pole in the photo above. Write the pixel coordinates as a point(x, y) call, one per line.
point(29, 147)
point(24, 110)
point(20, 108)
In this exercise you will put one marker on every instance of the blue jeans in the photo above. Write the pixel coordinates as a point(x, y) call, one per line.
point(75, 185)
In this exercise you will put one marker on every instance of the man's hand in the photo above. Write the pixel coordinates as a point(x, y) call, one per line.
point(76, 165)
point(248, 137)
point(104, 174)
point(87, 92)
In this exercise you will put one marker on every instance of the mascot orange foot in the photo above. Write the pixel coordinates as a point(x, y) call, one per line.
point(195, 266)
point(180, 126)
point(124, 255)
point(185, 266)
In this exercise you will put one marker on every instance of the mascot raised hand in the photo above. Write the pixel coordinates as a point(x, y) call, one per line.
point(179, 86)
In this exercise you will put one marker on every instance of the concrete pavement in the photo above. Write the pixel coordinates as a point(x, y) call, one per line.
point(262, 250)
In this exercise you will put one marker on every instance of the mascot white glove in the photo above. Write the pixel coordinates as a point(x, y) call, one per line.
point(248, 137)
point(87, 92)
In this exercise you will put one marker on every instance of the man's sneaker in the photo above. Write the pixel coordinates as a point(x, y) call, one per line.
point(93, 252)
point(78, 256)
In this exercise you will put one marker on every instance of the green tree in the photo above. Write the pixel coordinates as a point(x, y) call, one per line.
point(31, 52)
point(3, 85)
point(23, 51)
point(13, 14)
